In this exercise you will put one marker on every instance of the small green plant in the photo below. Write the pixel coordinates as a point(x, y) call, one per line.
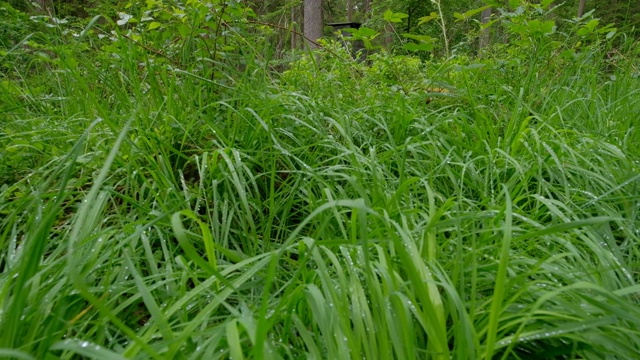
point(420, 42)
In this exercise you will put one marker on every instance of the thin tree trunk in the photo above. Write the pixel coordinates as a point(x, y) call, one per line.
point(581, 8)
point(312, 21)
point(485, 38)
point(389, 31)
point(44, 6)
point(349, 10)
point(295, 23)
point(366, 7)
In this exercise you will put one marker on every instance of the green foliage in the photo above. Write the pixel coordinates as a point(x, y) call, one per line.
point(470, 13)
point(367, 35)
point(14, 27)
point(13, 30)
point(392, 17)
point(166, 194)
point(423, 42)
point(186, 32)
point(364, 34)
point(432, 19)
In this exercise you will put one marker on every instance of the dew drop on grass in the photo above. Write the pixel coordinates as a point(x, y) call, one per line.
point(413, 307)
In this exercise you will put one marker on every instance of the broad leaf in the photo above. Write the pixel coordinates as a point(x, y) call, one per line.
point(426, 19)
point(390, 16)
point(418, 47)
point(421, 38)
point(470, 13)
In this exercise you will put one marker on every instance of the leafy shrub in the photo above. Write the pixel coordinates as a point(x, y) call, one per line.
point(194, 35)
point(14, 27)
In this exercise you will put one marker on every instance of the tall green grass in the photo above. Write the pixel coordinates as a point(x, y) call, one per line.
point(320, 213)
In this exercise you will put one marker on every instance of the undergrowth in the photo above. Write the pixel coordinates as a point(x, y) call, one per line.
point(460, 208)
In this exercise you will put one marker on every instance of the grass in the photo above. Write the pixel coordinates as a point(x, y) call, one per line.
point(153, 213)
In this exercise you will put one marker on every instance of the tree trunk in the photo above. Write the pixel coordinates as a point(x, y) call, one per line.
point(43, 6)
point(366, 7)
point(349, 10)
point(312, 21)
point(485, 37)
point(295, 23)
point(581, 8)
point(387, 38)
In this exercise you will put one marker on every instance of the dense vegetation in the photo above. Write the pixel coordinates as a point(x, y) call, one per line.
point(169, 188)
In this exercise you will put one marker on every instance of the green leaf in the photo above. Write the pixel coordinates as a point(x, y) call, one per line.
point(568, 54)
point(390, 16)
point(470, 13)
point(548, 27)
point(607, 29)
point(154, 25)
point(387, 15)
point(514, 3)
point(420, 38)
point(545, 3)
point(150, 302)
point(184, 30)
point(488, 24)
point(367, 32)
point(15, 354)
point(86, 349)
point(369, 45)
point(426, 19)
point(469, 67)
point(364, 33)
point(418, 47)
point(537, 27)
point(233, 339)
point(207, 237)
point(93, 21)
point(588, 28)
